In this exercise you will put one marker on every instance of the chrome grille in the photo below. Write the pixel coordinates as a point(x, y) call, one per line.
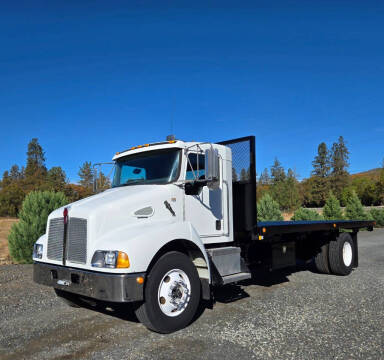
point(77, 240)
point(55, 239)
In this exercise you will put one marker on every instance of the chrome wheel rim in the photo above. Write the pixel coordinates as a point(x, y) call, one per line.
point(347, 253)
point(174, 292)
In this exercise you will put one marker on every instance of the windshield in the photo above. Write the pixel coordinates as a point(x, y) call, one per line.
point(152, 167)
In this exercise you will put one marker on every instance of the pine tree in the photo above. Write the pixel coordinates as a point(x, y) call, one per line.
point(291, 194)
point(56, 178)
point(268, 209)
point(277, 172)
point(35, 158)
point(103, 182)
point(320, 172)
point(306, 214)
point(32, 223)
point(378, 216)
point(339, 164)
point(264, 177)
point(354, 209)
point(234, 175)
point(321, 163)
point(346, 194)
point(86, 176)
point(6, 180)
point(332, 209)
point(14, 174)
point(35, 171)
point(243, 175)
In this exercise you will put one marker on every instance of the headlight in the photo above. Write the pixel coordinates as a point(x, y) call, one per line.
point(37, 251)
point(110, 259)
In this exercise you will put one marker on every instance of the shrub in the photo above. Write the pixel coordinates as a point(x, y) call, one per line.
point(354, 209)
point(33, 218)
point(332, 209)
point(378, 216)
point(11, 198)
point(346, 195)
point(306, 214)
point(268, 209)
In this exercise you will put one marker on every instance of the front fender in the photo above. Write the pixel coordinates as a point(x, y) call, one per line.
point(142, 243)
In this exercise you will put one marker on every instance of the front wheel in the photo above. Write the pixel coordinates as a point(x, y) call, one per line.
point(172, 294)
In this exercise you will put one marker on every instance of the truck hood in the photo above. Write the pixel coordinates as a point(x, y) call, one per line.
point(114, 208)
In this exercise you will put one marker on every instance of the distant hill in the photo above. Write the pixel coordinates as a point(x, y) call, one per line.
point(371, 174)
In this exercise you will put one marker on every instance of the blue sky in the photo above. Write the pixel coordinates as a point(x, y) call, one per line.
point(89, 78)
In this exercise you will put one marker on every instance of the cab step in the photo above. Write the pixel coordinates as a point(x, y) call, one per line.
point(236, 277)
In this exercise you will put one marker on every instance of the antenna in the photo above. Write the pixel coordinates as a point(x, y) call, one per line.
point(172, 113)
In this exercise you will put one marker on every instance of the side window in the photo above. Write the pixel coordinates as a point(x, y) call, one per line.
point(195, 168)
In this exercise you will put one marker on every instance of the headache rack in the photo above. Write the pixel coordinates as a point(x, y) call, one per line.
point(243, 184)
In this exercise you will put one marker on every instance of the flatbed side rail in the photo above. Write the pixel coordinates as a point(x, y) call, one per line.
point(266, 229)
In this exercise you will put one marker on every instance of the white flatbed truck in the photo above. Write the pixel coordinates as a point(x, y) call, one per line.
point(179, 219)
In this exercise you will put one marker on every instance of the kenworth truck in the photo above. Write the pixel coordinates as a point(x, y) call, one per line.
point(179, 219)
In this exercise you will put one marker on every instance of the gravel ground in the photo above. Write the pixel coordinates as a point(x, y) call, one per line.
point(299, 315)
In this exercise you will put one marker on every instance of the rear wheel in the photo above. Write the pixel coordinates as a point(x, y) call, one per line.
point(172, 294)
point(342, 255)
point(322, 260)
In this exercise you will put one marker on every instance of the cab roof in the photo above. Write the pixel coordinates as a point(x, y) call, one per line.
point(154, 146)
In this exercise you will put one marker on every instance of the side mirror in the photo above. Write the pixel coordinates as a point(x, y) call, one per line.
point(212, 167)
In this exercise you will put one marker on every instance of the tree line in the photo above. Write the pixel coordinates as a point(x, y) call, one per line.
point(35, 176)
point(329, 176)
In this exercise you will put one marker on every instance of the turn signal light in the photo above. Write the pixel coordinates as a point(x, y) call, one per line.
point(140, 280)
point(122, 260)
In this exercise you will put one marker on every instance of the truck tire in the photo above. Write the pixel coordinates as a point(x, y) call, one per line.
point(342, 255)
point(171, 295)
point(71, 300)
point(322, 260)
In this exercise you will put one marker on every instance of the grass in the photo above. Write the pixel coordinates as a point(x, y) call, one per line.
point(5, 227)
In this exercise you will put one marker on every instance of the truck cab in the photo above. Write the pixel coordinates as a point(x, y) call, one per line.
point(179, 218)
point(168, 197)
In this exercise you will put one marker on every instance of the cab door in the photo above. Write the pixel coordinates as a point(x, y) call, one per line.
point(205, 210)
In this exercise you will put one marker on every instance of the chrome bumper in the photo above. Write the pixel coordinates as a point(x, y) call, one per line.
point(93, 284)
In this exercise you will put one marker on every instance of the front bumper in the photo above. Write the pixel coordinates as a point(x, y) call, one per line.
point(93, 284)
